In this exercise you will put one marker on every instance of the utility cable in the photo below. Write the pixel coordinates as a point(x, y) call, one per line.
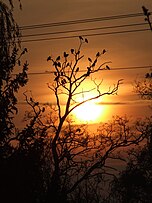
point(84, 30)
point(85, 35)
point(87, 20)
point(112, 69)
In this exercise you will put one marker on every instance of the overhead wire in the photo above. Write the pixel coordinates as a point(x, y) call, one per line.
point(85, 35)
point(82, 30)
point(87, 20)
point(112, 69)
point(78, 21)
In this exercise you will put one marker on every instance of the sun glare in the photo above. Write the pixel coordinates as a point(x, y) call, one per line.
point(88, 112)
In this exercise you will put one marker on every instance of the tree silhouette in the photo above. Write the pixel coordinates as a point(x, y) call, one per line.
point(74, 156)
point(20, 174)
point(10, 82)
point(144, 87)
point(52, 158)
point(134, 184)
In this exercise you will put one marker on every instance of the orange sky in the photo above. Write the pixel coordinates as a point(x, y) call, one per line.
point(124, 50)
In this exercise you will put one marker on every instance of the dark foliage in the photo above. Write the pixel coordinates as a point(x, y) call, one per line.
point(20, 172)
point(134, 184)
point(9, 82)
point(51, 159)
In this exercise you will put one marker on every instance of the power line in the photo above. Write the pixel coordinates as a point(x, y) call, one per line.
point(84, 30)
point(114, 69)
point(86, 35)
point(44, 25)
point(87, 20)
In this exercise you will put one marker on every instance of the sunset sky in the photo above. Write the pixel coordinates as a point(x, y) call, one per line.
point(123, 50)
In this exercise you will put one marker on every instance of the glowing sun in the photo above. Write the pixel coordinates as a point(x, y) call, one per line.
point(88, 112)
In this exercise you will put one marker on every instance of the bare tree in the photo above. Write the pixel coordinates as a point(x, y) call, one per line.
point(67, 156)
point(75, 156)
point(134, 183)
point(144, 87)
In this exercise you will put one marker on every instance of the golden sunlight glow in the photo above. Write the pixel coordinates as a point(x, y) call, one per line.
point(88, 112)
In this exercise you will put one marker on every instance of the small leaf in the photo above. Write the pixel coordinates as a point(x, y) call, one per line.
point(65, 54)
point(94, 63)
point(67, 64)
point(98, 54)
point(89, 59)
point(80, 37)
point(23, 52)
point(63, 81)
point(96, 155)
point(72, 51)
point(78, 52)
point(48, 58)
point(25, 49)
point(86, 40)
point(15, 109)
point(55, 63)
point(147, 75)
point(104, 51)
point(57, 78)
point(59, 64)
point(77, 70)
point(78, 130)
point(19, 62)
point(107, 67)
point(58, 58)
point(43, 109)
point(89, 71)
point(36, 103)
